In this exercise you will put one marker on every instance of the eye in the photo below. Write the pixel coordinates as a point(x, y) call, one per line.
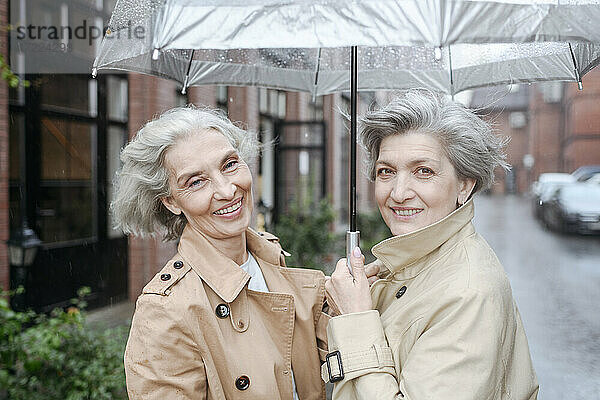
point(197, 183)
point(231, 165)
point(424, 171)
point(384, 172)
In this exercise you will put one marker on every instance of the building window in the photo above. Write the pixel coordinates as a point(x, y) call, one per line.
point(315, 109)
point(116, 137)
point(75, 137)
point(115, 140)
point(222, 99)
point(517, 119)
point(66, 208)
point(117, 99)
point(551, 91)
point(272, 103)
point(16, 130)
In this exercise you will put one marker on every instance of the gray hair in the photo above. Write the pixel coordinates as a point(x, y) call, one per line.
point(144, 179)
point(473, 149)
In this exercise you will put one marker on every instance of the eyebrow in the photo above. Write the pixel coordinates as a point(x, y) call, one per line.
point(184, 177)
point(417, 161)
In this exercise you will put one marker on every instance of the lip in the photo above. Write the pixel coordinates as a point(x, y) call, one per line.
point(417, 210)
point(233, 214)
point(230, 203)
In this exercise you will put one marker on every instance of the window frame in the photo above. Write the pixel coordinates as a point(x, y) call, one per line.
point(33, 111)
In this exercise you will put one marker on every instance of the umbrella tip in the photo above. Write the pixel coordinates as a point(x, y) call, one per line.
point(183, 90)
point(580, 85)
point(155, 54)
point(94, 72)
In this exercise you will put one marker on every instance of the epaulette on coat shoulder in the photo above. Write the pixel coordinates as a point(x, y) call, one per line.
point(169, 275)
point(273, 239)
point(269, 236)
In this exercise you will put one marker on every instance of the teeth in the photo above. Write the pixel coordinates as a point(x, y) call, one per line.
point(229, 209)
point(407, 213)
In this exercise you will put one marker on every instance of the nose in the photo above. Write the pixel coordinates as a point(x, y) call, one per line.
point(224, 189)
point(402, 189)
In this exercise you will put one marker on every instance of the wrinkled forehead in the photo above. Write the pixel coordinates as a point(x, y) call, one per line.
point(202, 149)
point(409, 145)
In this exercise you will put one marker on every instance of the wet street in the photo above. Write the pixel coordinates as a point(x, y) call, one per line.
point(556, 282)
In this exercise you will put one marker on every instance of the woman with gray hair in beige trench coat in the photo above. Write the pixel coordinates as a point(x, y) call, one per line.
point(224, 318)
point(441, 322)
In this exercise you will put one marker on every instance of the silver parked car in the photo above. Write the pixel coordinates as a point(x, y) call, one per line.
point(574, 208)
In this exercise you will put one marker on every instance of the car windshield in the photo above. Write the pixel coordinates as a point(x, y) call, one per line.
point(585, 172)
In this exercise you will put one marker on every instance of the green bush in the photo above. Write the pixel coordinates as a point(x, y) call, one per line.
point(372, 231)
point(59, 356)
point(304, 233)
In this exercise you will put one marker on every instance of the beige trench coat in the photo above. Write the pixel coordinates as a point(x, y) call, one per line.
point(445, 325)
point(198, 332)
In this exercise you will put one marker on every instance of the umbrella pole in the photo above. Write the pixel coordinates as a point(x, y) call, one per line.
point(352, 235)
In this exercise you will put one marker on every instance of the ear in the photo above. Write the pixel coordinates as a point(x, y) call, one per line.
point(465, 188)
point(170, 204)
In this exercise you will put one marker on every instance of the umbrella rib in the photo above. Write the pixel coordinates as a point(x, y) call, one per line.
point(187, 73)
point(451, 73)
point(577, 74)
point(318, 67)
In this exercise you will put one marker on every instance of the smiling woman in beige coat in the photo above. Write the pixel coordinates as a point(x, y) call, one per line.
point(441, 323)
point(224, 319)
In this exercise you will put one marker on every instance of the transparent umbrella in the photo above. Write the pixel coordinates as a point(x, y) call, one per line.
point(323, 46)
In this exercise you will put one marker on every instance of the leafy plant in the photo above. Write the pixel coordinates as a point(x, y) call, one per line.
point(372, 231)
point(59, 356)
point(304, 232)
point(9, 76)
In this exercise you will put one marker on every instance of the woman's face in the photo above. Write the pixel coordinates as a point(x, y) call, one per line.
point(210, 184)
point(415, 184)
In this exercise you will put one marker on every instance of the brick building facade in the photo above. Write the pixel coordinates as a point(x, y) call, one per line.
point(564, 131)
point(551, 124)
point(581, 142)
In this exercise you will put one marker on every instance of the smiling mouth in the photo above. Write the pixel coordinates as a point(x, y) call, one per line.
point(230, 209)
point(407, 212)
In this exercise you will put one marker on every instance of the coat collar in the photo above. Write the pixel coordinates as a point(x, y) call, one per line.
point(222, 274)
point(399, 252)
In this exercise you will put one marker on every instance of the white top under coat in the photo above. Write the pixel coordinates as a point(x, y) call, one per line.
point(258, 284)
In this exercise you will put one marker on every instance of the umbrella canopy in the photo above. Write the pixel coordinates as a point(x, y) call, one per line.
point(302, 45)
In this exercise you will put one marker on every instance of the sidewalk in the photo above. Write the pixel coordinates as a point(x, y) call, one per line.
point(112, 316)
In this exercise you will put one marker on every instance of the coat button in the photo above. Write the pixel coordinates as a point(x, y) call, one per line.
point(401, 292)
point(165, 277)
point(178, 264)
point(242, 383)
point(222, 311)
